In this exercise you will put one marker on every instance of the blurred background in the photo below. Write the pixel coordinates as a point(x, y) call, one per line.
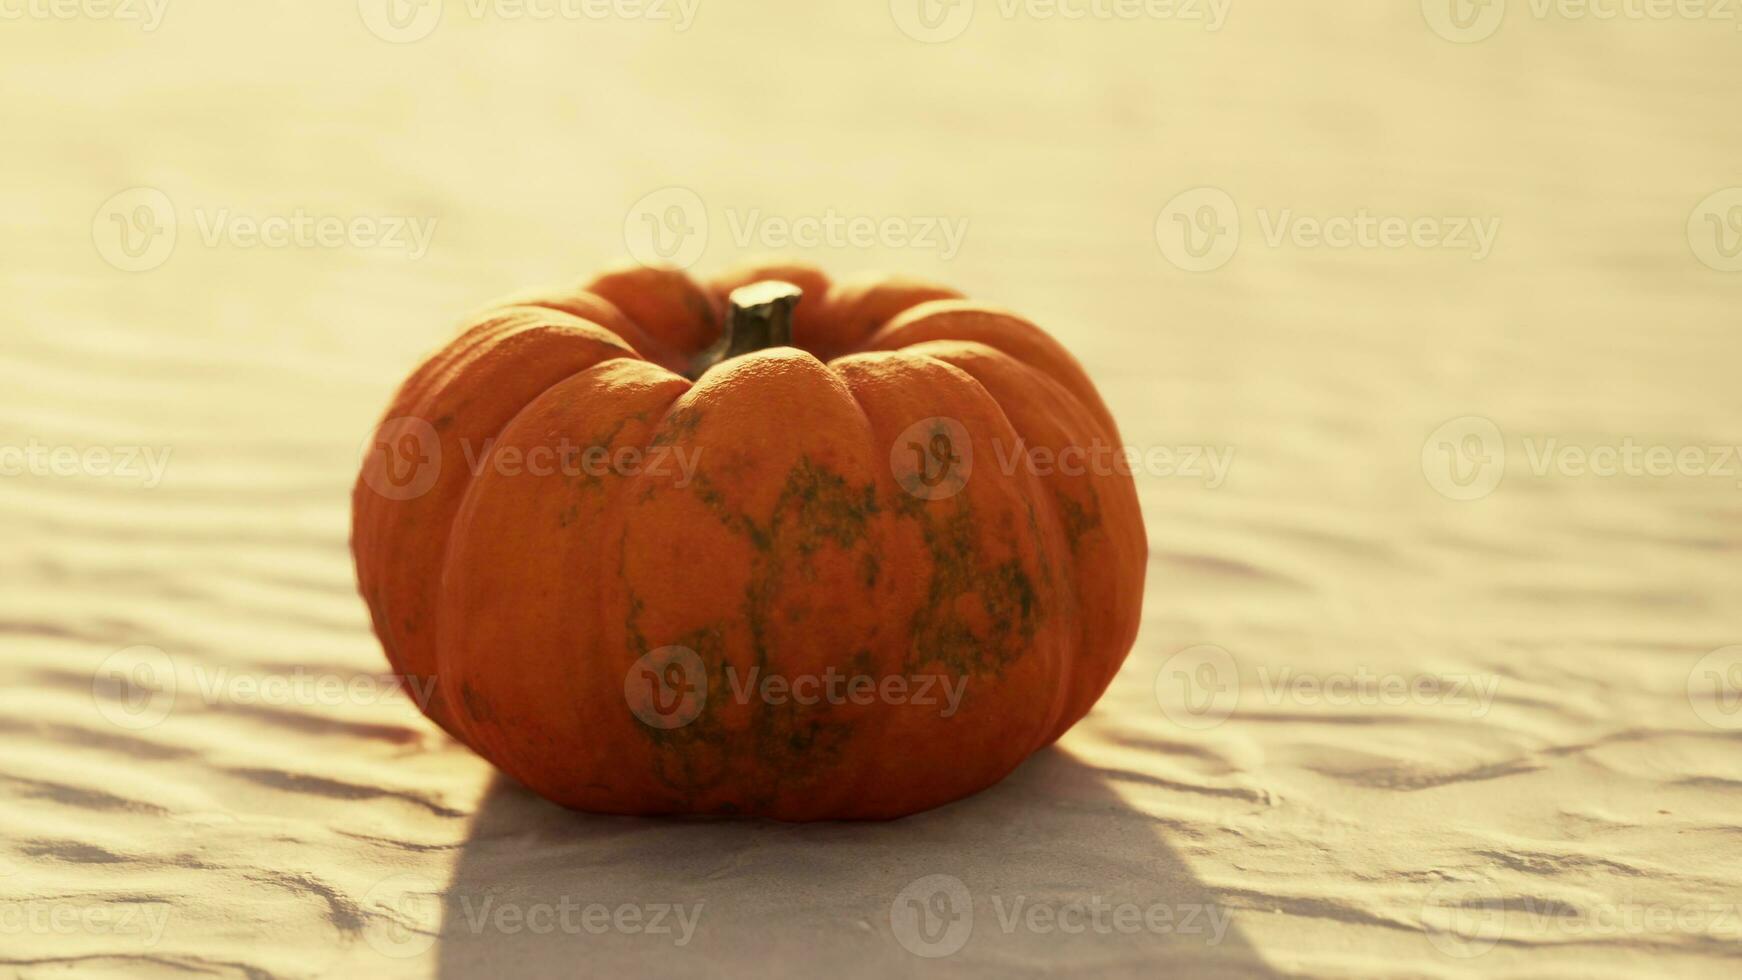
point(1410, 301)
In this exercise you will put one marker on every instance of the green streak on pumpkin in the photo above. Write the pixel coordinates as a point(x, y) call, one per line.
point(960, 567)
point(476, 707)
point(816, 508)
point(681, 423)
point(694, 757)
point(1077, 519)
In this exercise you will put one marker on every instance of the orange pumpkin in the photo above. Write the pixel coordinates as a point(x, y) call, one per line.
point(768, 545)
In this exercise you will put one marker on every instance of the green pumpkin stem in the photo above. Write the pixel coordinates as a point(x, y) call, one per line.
point(760, 318)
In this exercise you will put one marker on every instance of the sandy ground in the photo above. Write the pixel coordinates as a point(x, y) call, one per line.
point(1370, 728)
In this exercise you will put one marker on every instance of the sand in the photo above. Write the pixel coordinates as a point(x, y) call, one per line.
point(1368, 729)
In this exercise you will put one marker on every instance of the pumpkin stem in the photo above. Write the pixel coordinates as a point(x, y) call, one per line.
point(760, 318)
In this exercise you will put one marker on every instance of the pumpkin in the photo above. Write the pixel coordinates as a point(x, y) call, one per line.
point(766, 545)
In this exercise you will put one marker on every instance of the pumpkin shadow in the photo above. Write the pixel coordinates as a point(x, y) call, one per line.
point(1050, 868)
